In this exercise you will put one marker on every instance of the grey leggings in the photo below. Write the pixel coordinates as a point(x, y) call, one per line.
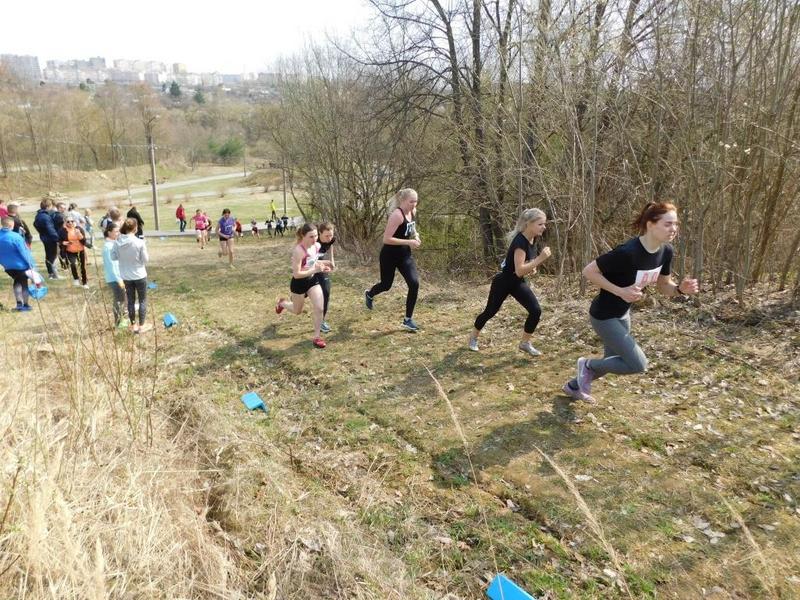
point(621, 353)
point(119, 300)
point(134, 288)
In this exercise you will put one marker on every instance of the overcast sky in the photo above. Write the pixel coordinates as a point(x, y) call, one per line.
point(241, 35)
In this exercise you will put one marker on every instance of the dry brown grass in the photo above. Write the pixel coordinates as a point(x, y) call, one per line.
point(119, 482)
point(96, 507)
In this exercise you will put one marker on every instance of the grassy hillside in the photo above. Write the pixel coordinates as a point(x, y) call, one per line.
point(134, 464)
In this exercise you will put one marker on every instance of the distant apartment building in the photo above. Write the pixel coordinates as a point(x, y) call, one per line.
point(210, 79)
point(76, 71)
point(189, 79)
point(24, 67)
point(157, 78)
point(228, 79)
point(123, 76)
point(179, 69)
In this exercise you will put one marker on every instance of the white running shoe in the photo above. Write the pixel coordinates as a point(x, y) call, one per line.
point(528, 348)
point(473, 343)
point(585, 376)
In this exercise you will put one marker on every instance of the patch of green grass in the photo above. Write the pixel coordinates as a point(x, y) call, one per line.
point(640, 586)
point(377, 517)
point(595, 553)
point(648, 440)
point(546, 582)
point(356, 424)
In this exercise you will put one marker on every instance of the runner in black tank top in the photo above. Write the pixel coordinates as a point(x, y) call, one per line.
point(399, 237)
point(521, 260)
point(306, 268)
point(326, 241)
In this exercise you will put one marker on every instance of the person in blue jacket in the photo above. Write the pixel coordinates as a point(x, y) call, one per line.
point(15, 257)
point(45, 225)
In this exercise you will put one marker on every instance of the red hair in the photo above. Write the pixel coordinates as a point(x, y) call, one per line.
point(651, 213)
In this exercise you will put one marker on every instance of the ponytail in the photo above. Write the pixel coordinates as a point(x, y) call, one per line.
point(651, 213)
point(400, 196)
point(527, 215)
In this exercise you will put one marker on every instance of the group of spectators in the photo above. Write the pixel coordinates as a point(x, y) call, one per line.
point(66, 233)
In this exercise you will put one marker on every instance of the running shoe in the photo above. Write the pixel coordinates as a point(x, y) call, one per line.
point(279, 306)
point(325, 328)
point(54, 276)
point(318, 343)
point(528, 348)
point(85, 286)
point(473, 343)
point(22, 308)
point(576, 394)
point(367, 299)
point(76, 283)
point(409, 324)
point(585, 376)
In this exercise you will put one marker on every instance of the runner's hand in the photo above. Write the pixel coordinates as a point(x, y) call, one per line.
point(545, 254)
point(630, 294)
point(688, 286)
point(415, 243)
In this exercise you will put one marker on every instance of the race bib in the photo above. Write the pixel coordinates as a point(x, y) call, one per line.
point(645, 278)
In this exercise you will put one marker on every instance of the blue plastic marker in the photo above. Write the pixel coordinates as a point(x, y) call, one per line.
point(37, 293)
point(170, 320)
point(152, 285)
point(502, 588)
point(253, 401)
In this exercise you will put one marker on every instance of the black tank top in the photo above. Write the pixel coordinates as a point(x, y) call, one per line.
point(407, 230)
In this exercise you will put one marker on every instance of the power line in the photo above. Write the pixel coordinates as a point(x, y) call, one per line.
point(74, 143)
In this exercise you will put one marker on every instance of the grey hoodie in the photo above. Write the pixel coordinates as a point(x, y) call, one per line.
point(131, 253)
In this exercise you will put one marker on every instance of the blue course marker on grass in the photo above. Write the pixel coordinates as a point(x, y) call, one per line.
point(253, 401)
point(170, 320)
point(37, 293)
point(502, 588)
point(152, 285)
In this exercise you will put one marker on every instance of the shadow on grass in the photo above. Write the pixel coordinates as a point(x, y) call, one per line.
point(549, 430)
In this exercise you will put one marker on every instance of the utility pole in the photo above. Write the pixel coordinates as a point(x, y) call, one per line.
point(244, 162)
point(283, 170)
point(152, 149)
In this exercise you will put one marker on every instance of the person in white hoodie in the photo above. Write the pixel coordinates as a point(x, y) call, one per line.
point(131, 252)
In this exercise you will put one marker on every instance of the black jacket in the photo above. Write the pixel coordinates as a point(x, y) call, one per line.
point(134, 214)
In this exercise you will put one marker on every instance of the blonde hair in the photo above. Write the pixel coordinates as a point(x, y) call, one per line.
point(528, 215)
point(400, 196)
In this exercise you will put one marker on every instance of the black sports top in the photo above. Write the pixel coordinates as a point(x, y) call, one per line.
point(521, 242)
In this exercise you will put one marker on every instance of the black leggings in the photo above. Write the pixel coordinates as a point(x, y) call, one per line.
point(77, 257)
point(20, 285)
point(50, 254)
point(325, 281)
point(133, 288)
point(408, 269)
point(504, 286)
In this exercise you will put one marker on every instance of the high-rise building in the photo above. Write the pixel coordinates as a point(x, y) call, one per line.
point(24, 67)
point(179, 69)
